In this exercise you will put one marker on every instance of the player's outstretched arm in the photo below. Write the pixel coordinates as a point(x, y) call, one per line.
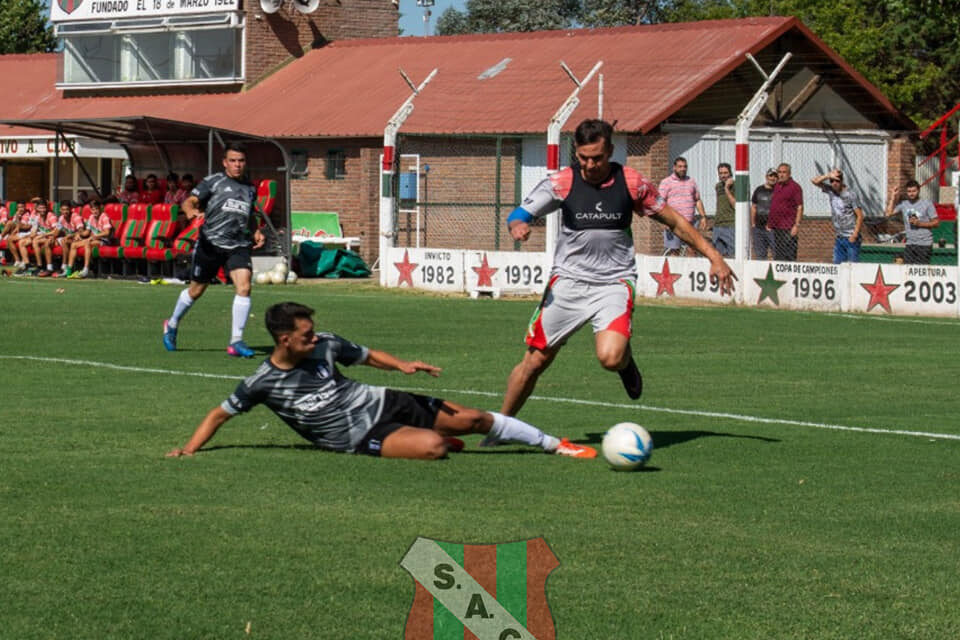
point(388, 362)
point(204, 432)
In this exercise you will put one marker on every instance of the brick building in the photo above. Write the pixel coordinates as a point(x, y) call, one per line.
point(313, 92)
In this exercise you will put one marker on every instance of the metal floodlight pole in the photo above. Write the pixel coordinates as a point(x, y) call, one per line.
point(742, 168)
point(387, 169)
point(553, 141)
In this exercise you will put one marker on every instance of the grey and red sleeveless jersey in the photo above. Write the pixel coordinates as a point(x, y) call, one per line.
point(595, 243)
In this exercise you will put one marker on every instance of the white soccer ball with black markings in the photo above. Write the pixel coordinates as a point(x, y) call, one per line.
point(278, 277)
point(281, 267)
point(262, 278)
point(291, 277)
point(627, 446)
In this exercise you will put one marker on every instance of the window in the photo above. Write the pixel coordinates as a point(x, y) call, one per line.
point(298, 158)
point(336, 164)
point(158, 51)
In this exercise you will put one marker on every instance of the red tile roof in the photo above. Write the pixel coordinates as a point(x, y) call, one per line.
point(351, 88)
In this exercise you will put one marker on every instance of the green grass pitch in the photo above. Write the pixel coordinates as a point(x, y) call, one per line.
point(757, 516)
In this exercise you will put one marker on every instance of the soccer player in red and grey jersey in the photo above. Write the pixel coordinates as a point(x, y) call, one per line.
point(594, 270)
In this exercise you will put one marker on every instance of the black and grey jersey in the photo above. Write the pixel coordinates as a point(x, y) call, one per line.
point(227, 206)
point(314, 398)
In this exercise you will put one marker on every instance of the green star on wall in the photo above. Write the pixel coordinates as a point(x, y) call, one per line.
point(769, 286)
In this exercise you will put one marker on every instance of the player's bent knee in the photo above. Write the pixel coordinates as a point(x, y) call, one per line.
point(611, 359)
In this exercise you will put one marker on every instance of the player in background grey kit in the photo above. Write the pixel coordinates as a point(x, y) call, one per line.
point(227, 203)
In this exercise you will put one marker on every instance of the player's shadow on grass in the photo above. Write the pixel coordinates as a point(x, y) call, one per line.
point(664, 439)
point(504, 450)
point(285, 447)
point(260, 350)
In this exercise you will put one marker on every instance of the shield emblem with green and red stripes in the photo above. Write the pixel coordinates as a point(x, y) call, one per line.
point(69, 6)
point(480, 592)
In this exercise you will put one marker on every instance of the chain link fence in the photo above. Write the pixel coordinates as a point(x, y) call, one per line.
point(455, 192)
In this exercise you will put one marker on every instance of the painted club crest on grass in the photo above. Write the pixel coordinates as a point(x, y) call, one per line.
point(487, 591)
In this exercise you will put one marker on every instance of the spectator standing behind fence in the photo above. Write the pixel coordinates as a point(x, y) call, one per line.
point(786, 210)
point(759, 212)
point(680, 191)
point(919, 220)
point(723, 229)
point(846, 215)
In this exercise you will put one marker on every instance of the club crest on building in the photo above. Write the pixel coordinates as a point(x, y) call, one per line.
point(486, 591)
point(69, 6)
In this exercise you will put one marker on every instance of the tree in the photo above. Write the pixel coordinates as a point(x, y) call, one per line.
point(494, 16)
point(24, 28)
point(907, 48)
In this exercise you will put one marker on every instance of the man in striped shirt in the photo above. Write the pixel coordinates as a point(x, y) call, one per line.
point(681, 192)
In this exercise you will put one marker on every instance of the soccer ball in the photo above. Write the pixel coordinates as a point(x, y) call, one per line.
point(291, 277)
point(263, 277)
point(278, 277)
point(281, 267)
point(627, 446)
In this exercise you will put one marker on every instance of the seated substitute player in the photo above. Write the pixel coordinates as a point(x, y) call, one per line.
point(45, 239)
point(594, 270)
point(70, 223)
point(227, 200)
point(97, 233)
point(16, 227)
point(301, 383)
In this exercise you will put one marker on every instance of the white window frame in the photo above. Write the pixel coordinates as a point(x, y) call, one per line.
point(178, 24)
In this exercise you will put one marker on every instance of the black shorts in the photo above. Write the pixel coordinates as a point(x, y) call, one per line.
point(400, 409)
point(208, 258)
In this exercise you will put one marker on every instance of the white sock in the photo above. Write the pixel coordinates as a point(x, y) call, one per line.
point(509, 429)
point(241, 311)
point(184, 302)
point(49, 267)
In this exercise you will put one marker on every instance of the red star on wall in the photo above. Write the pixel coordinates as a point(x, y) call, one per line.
point(484, 273)
point(406, 270)
point(879, 291)
point(665, 279)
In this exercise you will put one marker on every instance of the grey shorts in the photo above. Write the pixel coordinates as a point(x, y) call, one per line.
point(569, 304)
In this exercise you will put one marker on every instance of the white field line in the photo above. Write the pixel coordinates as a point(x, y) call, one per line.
point(490, 394)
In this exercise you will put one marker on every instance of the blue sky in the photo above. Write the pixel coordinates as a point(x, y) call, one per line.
point(411, 20)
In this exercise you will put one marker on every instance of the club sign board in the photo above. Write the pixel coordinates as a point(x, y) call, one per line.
point(904, 289)
point(515, 272)
point(433, 269)
point(796, 285)
point(676, 277)
point(77, 10)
